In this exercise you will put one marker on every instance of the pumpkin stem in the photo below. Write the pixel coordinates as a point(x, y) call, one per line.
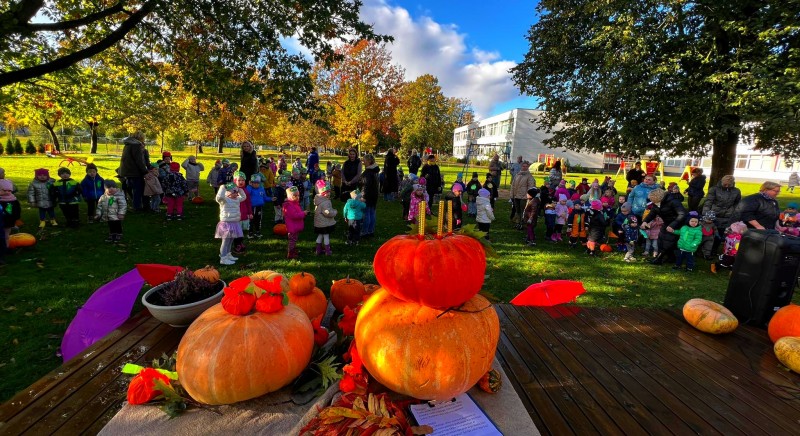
point(459, 309)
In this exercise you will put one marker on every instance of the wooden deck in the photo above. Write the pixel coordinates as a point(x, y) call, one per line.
point(577, 371)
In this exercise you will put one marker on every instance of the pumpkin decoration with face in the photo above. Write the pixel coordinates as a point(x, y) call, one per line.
point(785, 322)
point(347, 292)
point(232, 353)
point(709, 317)
point(422, 352)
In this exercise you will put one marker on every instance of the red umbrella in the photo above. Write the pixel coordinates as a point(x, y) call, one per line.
point(549, 293)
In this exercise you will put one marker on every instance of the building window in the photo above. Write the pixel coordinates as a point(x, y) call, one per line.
point(741, 161)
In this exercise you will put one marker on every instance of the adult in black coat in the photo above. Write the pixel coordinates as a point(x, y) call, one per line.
point(760, 211)
point(635, 173)
point(722, 200)
point(673, 214)
point(433, 177)
point(133, 167)
point(695, 190)
point(390, 182)
point(249, 161)
point(351, 174)
point(414, 162)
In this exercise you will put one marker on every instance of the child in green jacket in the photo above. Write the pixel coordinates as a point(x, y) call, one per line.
point(690, 237)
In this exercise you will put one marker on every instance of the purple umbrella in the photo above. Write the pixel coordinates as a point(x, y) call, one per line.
point(105, 310)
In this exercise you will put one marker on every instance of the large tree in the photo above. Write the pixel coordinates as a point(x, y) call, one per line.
point(209, 40)
point(673, 76)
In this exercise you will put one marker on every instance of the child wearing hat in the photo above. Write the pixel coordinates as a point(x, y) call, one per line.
point(92, 188)
point(630, 230)
point(789, 221)
point(193, 169)
point(258, 197)
point(267, 177)
point(485, 212)
point(596, 227)
point(417, 195)
point(562, 213)
point(531, 215)
point(111, 207)
point(228, 197)
point(576, 225)
point(405, 191)
point(324, 214)
point(709, 230)
point(690, 237)
point(733, 235)
point(454, 195)
point(279, 196)
point(152, 188)
point(67, 193)
point(473, 186)
point(353, 215)
point(225, 174)
point(213, 175)
point(10, 205)
point(175, 189)
point(293, 215)
point(39, 195)
point(490, 185)
point(245, 212)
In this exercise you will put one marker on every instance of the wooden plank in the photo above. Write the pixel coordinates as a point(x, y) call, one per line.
point(693, 358)
point(73, 382)
point(111, 395)
point(543, 412)
point(573, 378)
point(665, 372)
point(650, 407)
point(26, 397)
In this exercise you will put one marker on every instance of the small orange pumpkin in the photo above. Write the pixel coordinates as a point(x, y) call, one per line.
point(224, 358)
point(424, 353)
point(491, 382)
point(313, 303)
point(346, 292)
point(370, 288)
point(198, 200)
point(280, 230)
point(18, 240)
point(785, 322)
point(208, 273)
point(605, 248)
point(302, 283)
point(709, 317)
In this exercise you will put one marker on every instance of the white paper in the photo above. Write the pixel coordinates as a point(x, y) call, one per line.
point(459, 417)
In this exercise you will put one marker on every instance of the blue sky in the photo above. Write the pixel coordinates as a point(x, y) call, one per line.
point(468, 45)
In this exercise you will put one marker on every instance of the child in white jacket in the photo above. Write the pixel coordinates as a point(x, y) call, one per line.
point(229, 196)
point(485, 214)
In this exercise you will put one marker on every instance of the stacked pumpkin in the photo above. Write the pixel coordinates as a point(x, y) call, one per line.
point(784, 331)
point(252, 343)
point(426, 332)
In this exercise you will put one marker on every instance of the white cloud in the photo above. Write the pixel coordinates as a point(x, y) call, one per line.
point(423, 46)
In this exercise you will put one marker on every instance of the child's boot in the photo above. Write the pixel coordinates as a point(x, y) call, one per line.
point(553, 237)
point(559, 236)
point(42, 224)
point(328, 251)
point(318, 250)
point(714, 268)
point(53, 222)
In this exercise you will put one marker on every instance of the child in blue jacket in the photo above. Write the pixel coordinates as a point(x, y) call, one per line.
point(353, 215)
point(92, 188)
point(258, 196)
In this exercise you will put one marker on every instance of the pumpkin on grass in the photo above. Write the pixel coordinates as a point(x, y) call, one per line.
point(208, 273)
point(347, 292)
point(785, 322)
point(605, 248)
point(302, 283)
point(423, 270)
point(18, 240)
point(425, 353)
point(197, 200)
point(314, 303)
point(787, 350)
point(709, 317)
point(280, 230)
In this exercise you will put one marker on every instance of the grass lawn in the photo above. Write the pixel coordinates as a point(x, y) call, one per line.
point(42, 287)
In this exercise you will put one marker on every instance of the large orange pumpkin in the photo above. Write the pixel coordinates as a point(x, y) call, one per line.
point(785, 322)
point(708, 316)
point(224, 358)
point(421, 352)
point(347, 292)
point(280, 230)
point(787, 350)
point(438, 273)
point(18, 240)
point(302, 283)
point(313, 304)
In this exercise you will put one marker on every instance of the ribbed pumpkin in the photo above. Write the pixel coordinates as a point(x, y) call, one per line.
point(224, 358)
point(280, 230)
point(787, 350)
point(347, 292)
point(18, 240)
point(605, 248)
point(438, 273)
point(208, 273)
point(313, 304)
point(491, 382)
point(421, 352)
point(708, 316)
point(785, 322)
point(302, 283)
point(270, 275)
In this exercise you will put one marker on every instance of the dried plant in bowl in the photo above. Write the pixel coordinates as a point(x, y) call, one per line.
point(186, 288)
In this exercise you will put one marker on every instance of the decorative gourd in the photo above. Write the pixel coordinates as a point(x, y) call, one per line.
point(347, 292)
point(605, 248)
point(423, 352)
point(370, 288)
point(708, 316)
point(785, 322)
point(439, 273)
point(224, 358)
point(491, 382)
point(313, 304)
point(270, 275)
point(787, 350)
point(208, 273)
point(198, 200)
point(18, 240)
point(280, 230)
point(302, 283)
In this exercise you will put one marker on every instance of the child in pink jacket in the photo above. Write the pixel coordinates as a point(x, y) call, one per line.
point(294, 216)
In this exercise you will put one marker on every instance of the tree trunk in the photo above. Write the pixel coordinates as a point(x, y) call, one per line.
point(93, 129)
point(220, 142)
point(53, 136)
point(723, 160)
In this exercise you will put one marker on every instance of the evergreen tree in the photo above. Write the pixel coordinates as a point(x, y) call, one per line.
point(18, 147)
point(9, 147)
point(29, 147)
point(41, 148)
point(2, 149)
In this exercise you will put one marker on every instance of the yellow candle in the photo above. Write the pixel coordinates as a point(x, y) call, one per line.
point(441, 220)
point(449, 217)
point(421, 219)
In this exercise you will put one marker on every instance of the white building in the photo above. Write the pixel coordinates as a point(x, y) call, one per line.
point(514, 133)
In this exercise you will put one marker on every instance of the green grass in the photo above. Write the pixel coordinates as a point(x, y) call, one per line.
point(41, 288)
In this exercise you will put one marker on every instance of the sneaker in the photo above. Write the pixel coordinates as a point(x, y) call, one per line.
point(179, 217)
point(42, 224)
point(110, 238)
point(53, 223)
point(226, 261)
point(169, 217)
point(689, 269)
point(531, 243)
point(230, 256)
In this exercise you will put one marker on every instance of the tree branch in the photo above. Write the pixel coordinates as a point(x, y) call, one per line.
point(7, 78)
point(71, 24)
point(22, 12)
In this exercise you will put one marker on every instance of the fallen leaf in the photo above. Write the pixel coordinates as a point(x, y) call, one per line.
point(15, 327)
point(15, 341)
point(39, 310)
point(28, 313)
point(10, 308)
